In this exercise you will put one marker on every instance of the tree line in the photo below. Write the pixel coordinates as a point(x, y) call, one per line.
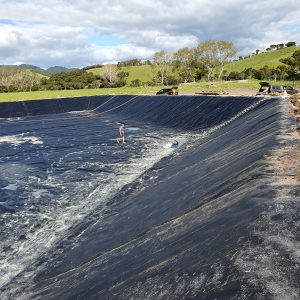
point(18, 80)
point(192, 64)
point(272, 47)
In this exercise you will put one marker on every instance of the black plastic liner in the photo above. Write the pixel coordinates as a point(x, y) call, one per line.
point(184, 232)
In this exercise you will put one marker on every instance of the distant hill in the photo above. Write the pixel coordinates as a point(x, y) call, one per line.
point(31, 67)
point(12, 68)
point(58, 69)
point(260, 60)
point(47, 72)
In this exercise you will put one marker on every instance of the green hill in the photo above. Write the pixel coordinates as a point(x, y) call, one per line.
point(144, 73)
point(37, 70)
point(59, 69)
point(15, 69)
point(32, 68)
point(260, 60)
point(147, 73)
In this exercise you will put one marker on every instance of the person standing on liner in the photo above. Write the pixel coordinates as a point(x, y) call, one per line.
point(121, 133)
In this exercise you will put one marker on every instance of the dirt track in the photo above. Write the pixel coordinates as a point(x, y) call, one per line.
point(233, 91)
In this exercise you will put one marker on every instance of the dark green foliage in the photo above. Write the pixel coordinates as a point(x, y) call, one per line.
point(77, 79)
point(290, 71)
point(293, 65)
point(139, 83)
point(3, 89)
point(279, 46)
point(147, 62)
point(171, 80)
point(122, 75)
point(129, 63)
point(136, 83)
point(233, 76)
point(92, 67)
point(265, 73)
point(133, 62)
point(290, 44)
point(58, 69)
point(200, 71)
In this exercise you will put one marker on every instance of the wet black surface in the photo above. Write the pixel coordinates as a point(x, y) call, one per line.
point(185, 228)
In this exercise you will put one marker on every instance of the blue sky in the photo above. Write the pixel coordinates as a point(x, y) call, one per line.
point(79, 32)
point(7, 21)
point(103, 40)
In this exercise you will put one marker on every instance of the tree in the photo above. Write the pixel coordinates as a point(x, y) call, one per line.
point(281, 72)
point(183, 61)
point(77, 79)
point(225, 51)
point(162, 60)
point(293, 64)
point(234, 76)
point(215, 53)
point(249, 72)
point(266, 72)
point(206, 54)
point(92, 67)
point(131, 62)
point(290, 44)
point(136, 83)
point(147, 62)
point(16, 79)
point(110, 73)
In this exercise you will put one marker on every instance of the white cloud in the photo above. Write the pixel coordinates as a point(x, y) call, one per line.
point(56, 32)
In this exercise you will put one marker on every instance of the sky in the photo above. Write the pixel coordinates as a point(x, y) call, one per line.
point(77, 33)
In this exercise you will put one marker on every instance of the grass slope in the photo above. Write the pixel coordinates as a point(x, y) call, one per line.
point(144, 73)
point(260, 60)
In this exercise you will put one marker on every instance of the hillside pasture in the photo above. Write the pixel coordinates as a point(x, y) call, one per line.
point(271, 59)
point(144, 73)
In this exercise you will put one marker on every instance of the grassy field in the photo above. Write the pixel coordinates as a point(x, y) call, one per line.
point(188, 89)
point(144, 73)
point(76, 93)
point(260, 60)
